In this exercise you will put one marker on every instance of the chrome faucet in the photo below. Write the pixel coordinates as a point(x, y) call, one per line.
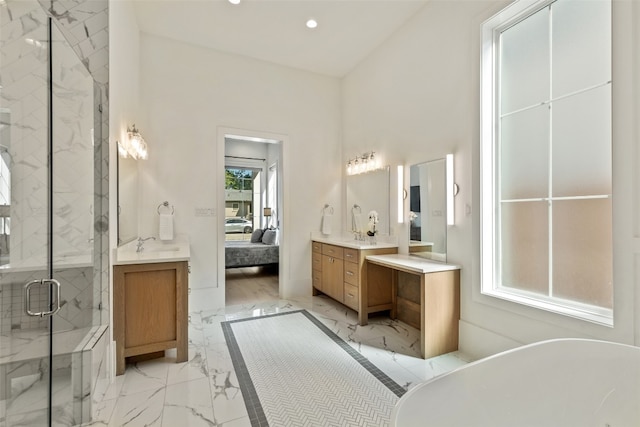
point(141, 241)
point(357, 234)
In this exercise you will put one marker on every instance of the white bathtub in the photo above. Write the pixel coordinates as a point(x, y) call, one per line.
point(568, 382)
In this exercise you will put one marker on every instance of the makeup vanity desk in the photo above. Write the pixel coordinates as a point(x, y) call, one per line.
point(426, 296)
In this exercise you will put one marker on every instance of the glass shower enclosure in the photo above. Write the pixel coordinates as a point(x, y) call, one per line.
point(52, 317)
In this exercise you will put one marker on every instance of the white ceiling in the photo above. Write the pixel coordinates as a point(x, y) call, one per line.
point(275, 31)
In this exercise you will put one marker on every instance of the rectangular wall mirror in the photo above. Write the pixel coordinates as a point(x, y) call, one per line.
point(370, 192)
point(428, 210)
point(127, 199)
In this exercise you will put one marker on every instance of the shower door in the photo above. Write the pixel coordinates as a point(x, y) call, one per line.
point(48, 298)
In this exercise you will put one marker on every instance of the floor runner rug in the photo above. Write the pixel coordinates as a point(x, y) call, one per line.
point(294, 371)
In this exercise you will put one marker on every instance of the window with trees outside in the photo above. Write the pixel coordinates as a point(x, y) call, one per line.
point(546, 163)
point(240, 205)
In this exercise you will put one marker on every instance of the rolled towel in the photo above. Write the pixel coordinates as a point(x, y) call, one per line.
point(326, 224)
point(166, 227)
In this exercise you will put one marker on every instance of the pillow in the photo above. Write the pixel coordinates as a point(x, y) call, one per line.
point(256, 236)
point(269, 237)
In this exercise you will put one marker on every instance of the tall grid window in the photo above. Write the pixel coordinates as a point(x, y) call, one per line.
point(546, 157)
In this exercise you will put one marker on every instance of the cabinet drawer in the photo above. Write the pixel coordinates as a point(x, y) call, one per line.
point(351, 273)
point(316, 247)
point(317, 279)
point(350, 255)
point(316, 261)
point(332, 251)
point(351, 296)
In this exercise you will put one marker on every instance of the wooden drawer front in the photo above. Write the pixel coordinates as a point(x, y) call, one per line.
point(351, 273)
point(350, 255)
point(317, 279)
point(332, 251)
point(351, 296)
point(316, 247)
point(316, 261)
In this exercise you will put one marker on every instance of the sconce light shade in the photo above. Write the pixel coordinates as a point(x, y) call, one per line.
point(134, 146)
point(451, 185)
point(368, 162)
point(266, 211)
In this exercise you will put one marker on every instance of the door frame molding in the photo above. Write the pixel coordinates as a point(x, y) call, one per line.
point(283, 142)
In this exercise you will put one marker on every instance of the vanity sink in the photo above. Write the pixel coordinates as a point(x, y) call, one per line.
point(161, 248)
point(153, 251)
point(350, 242)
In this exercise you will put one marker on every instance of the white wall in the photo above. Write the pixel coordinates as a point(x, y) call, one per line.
point(123, 110)
point(416, 98)
point(124, 81)
point(187, 95)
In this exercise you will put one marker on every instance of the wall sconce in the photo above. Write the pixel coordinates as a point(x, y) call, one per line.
point(368, 162)
point(452, 189)
point(401, 194)
point(267, 212)
point(134, 146)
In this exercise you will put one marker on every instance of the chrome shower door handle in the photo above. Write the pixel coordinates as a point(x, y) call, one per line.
point(27, 297)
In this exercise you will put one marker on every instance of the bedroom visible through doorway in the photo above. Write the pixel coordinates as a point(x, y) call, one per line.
point(252, 224)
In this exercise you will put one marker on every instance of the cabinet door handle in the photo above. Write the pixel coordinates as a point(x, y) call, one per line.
point(349, 256)
point(350, 295)
point(349, 273)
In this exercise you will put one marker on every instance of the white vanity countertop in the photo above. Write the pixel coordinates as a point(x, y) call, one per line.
point(154, 251)
point(411, 263)
point(381, 243)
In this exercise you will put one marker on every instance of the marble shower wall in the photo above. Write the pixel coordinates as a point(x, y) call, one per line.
point(76, 295)
point(85, 26)
point(80, 173)
point(24, 98)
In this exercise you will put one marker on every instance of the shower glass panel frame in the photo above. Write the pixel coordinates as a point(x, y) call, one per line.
point(50, 150)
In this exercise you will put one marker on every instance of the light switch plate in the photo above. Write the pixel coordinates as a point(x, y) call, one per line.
point(205, 212)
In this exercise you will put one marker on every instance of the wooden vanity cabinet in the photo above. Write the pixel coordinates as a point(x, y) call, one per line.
point(332, 271)
point(150, 310)
point(340, 272)
point(316, 265)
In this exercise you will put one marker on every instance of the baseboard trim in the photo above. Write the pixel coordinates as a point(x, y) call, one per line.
point(476, 342)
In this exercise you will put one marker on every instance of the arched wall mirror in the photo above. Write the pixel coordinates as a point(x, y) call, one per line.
point(428, 210)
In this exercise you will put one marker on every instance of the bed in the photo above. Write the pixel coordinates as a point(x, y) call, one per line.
point(258, 251)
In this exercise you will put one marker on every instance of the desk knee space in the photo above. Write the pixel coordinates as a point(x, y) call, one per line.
point(426, 295)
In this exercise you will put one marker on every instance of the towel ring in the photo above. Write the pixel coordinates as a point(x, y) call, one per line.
point(166, 205)
point(330, 208)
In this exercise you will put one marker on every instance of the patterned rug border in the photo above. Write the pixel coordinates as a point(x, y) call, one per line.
point(251, 399)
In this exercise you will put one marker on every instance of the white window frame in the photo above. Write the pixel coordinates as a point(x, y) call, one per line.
point(488, 183)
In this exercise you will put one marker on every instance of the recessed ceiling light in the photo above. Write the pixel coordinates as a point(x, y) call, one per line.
point(312, 23)
point(234, 1)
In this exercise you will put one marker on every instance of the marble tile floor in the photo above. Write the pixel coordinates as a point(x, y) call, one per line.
point(204, 391)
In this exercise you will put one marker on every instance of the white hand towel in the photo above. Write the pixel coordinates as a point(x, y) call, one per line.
point(166, 227)
point(326, 224)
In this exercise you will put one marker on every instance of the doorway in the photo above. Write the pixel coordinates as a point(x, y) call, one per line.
point(252, 213)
